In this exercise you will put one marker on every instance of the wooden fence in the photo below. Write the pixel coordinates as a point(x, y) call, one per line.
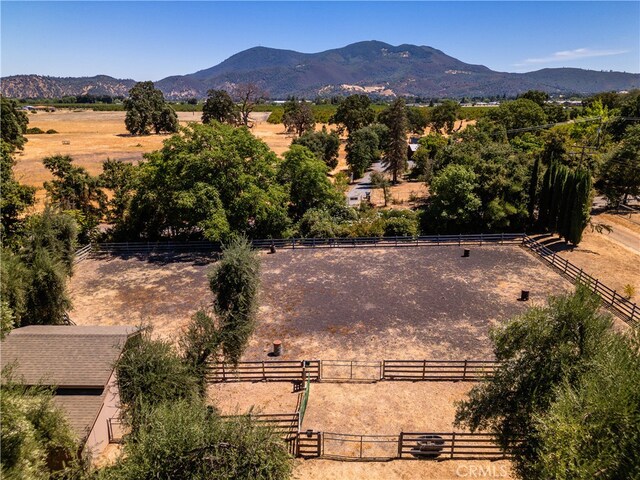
point(451, 445)
point(355, 371)
point(286, 425)
point(275, 371)
point(618, 304)
point(443, 370)
point(405, 446)
point(621, 306)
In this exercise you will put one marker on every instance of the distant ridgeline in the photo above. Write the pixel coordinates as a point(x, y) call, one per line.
point(371, 67)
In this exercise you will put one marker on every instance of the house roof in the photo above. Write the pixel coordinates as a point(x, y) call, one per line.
point(64, 356)
point(81, 411)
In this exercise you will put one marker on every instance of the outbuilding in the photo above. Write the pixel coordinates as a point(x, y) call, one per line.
point(78, 362)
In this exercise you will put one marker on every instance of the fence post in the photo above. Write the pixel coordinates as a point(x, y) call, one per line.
point(453, 443)
point(319, 444)
point(595, 287)
point(481, 236)
point(580, 276)
point(360, 446)
point(400, 441)
point(264, 374)
point(464, 372)
point(459, 239)
point(224, 374)
point(424, 369)
point(613, 298)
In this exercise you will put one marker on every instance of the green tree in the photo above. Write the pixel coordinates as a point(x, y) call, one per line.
point(362, 150)
point(73, 188)
point(186, 439)
point(444, 116)
point(147, 108)
point(298, 117)
point(219, 106)
point(325, 145)
point(209, 181)
point(418, 118)
point(620, 174)
point(395, 155)
point(35, 434)
point(354, 113)
point(425, 156)
point(454, 204)
point(15, 198)
point(120, 178)
point(149, 373)
point(306, 176)
point(379, 180)
point(539, 351)
point(234, 280)
point(592, 429)
point(14, 124)
point(517, 114)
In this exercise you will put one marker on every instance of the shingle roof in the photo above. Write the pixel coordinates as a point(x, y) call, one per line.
point(64, 356)
point(81, 411)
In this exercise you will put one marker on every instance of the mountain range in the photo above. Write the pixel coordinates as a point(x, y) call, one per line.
point(371, 67)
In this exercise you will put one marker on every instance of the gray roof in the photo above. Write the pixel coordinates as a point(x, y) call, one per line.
point(81, 411)
point(64, 356)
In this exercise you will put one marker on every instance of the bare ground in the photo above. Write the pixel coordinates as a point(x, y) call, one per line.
point(365, 304)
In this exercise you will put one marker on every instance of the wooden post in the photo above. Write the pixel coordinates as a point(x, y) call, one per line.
point(424, 369)
point(595, 288)
point(264, 374)
point(224, 375)
point(319, 444)
point(360, 446)
point(464, 372)
point(400, 442)
point(453, 443)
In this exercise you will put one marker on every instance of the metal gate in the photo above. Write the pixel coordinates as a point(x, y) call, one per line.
point(341, 446)
point(350, 371)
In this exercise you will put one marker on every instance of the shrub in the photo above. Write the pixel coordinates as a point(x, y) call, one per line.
point(51, 131)
point(185, 439)
point(151, 372)
point(34, 131)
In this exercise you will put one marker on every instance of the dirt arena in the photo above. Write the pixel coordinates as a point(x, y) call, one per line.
point(357, 304)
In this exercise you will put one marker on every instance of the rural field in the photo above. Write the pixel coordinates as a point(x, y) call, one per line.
point(91, 137)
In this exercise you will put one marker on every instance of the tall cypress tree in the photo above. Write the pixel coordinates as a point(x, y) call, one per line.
point(567, 204)
point(544, 212)
point(581, 207)
point(558, 181)
point(533, 189)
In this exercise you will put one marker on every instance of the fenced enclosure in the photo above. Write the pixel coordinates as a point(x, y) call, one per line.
point(451, 445)
point(621, 306)
point(352, 371)
point(404, 446)
point(438, 370)
point(285, 425)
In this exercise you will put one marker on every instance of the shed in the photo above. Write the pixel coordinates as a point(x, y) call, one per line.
point(78, 361)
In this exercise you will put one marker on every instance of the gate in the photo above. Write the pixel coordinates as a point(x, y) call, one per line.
point(342, 446)
point(350, 371)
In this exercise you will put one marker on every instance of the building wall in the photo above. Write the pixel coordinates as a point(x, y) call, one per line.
point(98, 438)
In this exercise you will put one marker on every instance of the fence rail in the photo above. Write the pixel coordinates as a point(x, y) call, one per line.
point(116, 430)
point(444, 370)
point(286, 425)
point(620, 305)
point(275, 371)
point(82, 253)
point(356, 371)
point(405, 446)
point(450, 445)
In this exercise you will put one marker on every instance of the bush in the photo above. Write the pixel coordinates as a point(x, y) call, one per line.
point(151, 372)
point(400, 223)
point(51, 131)
point(185, 439)
point(34, 131)
point(235, 280)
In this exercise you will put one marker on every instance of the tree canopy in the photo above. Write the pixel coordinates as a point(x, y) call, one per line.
point(220, 107)
point(354, 113)
point(146, 108)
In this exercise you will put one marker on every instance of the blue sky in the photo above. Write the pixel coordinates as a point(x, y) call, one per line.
point(151, 40)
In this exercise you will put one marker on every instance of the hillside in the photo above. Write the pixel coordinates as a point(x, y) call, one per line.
point(372, 66)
